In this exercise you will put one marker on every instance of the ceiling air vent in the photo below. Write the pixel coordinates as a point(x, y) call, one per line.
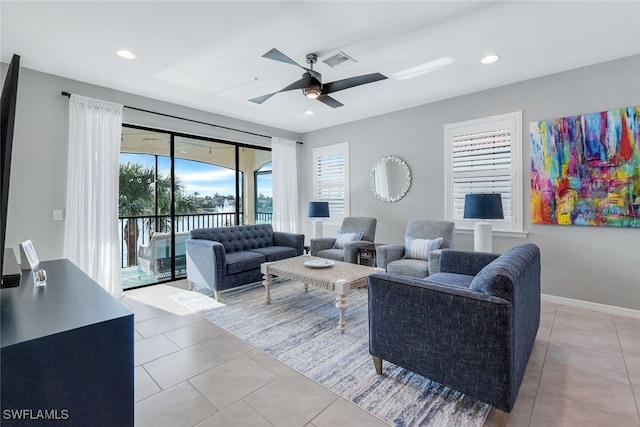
point(339, 59)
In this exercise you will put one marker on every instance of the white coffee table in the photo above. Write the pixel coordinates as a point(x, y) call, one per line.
point(340, 277)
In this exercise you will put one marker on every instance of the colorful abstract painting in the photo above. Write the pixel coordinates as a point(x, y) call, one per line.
point(585, 170)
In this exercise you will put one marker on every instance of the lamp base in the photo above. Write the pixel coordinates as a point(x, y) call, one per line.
point(317, 228)
point(482, 237)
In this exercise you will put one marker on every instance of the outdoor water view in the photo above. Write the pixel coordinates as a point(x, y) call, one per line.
point(204, 194)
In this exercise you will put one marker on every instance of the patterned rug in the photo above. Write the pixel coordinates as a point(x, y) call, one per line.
point(299, 329)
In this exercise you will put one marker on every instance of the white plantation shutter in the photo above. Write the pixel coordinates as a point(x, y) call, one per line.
point(331, 173)
point(481, 163)
point(484, 156)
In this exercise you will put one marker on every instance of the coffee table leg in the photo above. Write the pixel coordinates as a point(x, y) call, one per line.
point(264, 268)
point(342, 289)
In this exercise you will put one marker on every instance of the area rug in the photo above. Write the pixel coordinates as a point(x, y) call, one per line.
point(299, 329)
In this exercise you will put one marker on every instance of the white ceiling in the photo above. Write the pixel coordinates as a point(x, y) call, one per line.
point(207, 54)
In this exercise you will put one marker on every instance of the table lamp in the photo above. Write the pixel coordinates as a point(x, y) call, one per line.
point(482, 206)
point(318, 210)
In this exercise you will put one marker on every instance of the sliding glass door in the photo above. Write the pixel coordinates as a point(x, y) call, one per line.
point(172, 183)
point(144, 202)
point(264, 194)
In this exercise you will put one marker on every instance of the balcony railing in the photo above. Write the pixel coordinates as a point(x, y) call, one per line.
point(264, 217)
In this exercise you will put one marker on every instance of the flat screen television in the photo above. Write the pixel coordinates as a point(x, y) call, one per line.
point(10, 277)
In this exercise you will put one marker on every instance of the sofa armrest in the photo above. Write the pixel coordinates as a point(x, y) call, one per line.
point(293, 240)
point(417, 325)
point(387, 253)
point(351, 250)
point(321, 243)
point(205, 262)
point(464, 262)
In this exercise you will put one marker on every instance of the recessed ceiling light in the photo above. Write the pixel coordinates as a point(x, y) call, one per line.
point(490, 59)
point(308, 113)
point(125, 54)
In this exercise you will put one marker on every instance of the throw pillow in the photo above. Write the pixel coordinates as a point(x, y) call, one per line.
point(346, 238)
point(420, 248)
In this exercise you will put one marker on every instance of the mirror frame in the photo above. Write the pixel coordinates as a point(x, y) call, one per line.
point(407, 179)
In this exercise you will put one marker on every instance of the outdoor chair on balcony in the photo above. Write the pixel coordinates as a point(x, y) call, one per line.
point(155, 257)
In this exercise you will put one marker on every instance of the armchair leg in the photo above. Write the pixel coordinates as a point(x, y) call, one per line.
point(217, 294)
point(377, 362)
point(501, 418)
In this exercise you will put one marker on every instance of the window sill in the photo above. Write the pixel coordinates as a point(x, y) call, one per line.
point(499, 233)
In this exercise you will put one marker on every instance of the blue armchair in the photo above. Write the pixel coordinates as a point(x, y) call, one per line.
point(326, 247)
point(471, 326)
point(395, 259)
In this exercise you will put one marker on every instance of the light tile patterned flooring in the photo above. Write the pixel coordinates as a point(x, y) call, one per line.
point(584, 371)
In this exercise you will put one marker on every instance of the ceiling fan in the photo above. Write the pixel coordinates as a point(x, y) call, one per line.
point(311, 81)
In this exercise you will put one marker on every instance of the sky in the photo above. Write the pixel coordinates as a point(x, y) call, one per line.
point(199, 177)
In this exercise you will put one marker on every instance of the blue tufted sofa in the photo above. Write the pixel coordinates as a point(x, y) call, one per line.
point(471, 326)
point(225, 257)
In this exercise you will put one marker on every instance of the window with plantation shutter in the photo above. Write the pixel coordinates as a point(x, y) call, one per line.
point(331, 178)
point(485, 156)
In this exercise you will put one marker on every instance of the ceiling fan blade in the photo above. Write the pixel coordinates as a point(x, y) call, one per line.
point(300, 84)
point(276, 55)
point(305, 81)
point(329, 101)
point(351, 82)
point(261, 99)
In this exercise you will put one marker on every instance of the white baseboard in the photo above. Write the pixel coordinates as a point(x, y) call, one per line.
point(610, 309)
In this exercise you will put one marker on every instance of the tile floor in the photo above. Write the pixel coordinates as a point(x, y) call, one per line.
point(584, 371)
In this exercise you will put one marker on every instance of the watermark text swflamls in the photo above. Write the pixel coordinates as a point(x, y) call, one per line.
point(35, 414)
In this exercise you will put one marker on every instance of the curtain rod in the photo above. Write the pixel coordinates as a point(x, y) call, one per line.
point(68, 95)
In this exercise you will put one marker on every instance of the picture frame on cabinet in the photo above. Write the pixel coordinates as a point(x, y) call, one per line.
point(29, 259)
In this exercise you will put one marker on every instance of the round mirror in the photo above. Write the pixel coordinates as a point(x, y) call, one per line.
point(390, 179)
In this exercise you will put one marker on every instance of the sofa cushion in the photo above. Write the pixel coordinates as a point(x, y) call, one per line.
point(336, 254)
point(275, 253)
point(453, 279)
point(238, 262)
point(420, 248)
point(346, 238)
point(493, 280)
point(409, 267)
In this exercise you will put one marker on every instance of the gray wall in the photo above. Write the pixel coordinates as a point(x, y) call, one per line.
point(587, 263)
point(594, 264)
point(39, 166)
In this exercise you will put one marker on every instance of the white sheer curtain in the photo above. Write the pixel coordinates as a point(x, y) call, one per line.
point(91, 229)
point(285, 185)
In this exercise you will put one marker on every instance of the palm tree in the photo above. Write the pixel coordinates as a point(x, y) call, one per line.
point(136, 199)
point(139, 193)
point(184, 203)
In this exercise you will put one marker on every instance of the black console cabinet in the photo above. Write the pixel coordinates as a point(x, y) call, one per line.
point(67, 352)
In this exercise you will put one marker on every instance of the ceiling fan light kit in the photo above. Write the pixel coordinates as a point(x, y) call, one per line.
point(311, 81)
point(312, 93)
